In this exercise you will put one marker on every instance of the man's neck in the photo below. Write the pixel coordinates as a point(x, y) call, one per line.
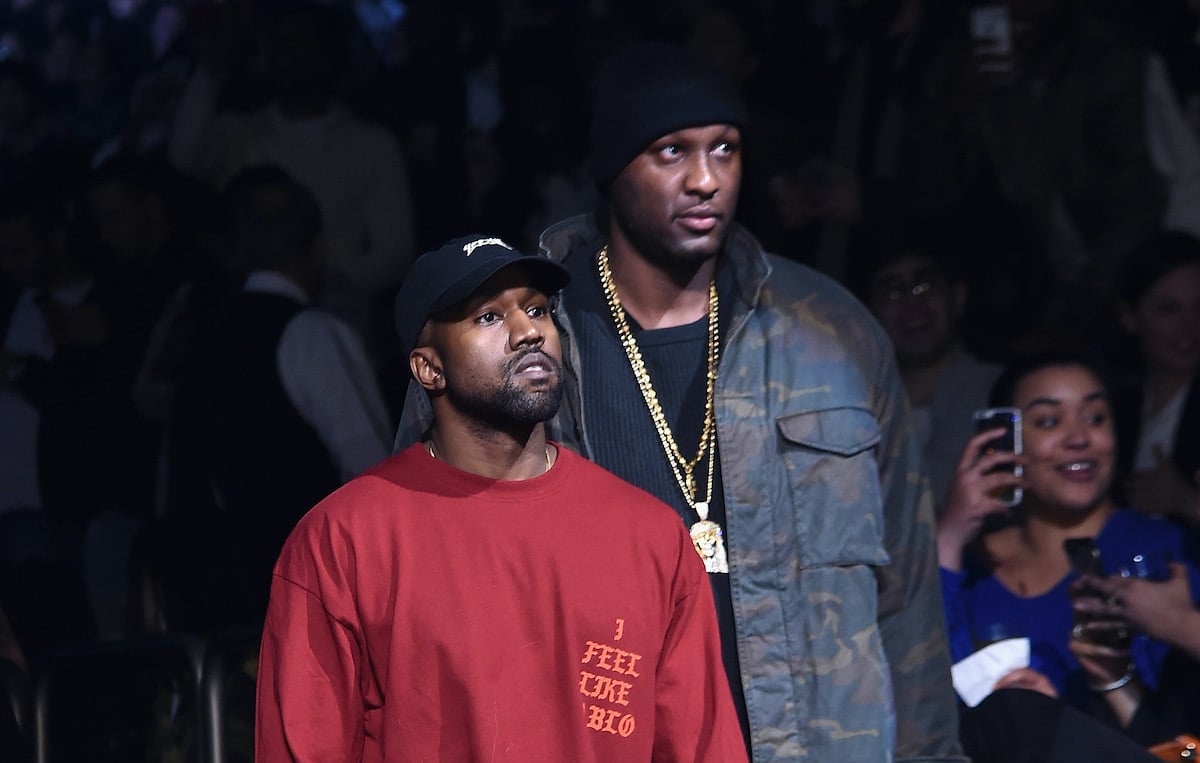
point(493, 453)
point(656, 297)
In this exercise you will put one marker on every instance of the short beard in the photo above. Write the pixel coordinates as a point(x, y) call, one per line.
point(509, 407)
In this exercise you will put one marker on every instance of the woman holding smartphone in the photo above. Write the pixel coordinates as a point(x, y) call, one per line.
point(1017, 581)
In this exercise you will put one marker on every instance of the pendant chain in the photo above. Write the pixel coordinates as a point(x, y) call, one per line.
point(683, 469)
point(433, 455)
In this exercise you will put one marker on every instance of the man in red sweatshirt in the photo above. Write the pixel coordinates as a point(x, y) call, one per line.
point(487, 594)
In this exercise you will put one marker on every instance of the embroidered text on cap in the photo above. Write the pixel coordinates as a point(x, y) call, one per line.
point(473, 245)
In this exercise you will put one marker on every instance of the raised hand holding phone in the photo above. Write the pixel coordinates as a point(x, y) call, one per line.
point(986, 484)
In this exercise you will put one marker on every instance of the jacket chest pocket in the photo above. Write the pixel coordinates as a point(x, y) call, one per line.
point(833, 481)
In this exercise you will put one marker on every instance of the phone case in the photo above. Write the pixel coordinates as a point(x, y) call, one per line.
point(1010, 419)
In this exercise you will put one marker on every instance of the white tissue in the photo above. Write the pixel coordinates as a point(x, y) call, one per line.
point(975, 676)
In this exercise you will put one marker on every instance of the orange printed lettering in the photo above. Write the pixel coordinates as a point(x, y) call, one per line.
point(620, 629)
point(625, 726)
point(633, 659)
point(612, 659)
point(604, 688)
point(609, 717)
point(620, 692)
point(592, 646)
point(618, 664)
point(595, 718)
point(611, 721)
point(605, 653)
point(584, 677)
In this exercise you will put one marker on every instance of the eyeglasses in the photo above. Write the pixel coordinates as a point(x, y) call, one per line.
point(894, 290)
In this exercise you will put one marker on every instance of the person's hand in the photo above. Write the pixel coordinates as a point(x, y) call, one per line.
point(1110, 671)
point(972, 496)
point(1160, 490)
point(1103, 663)
point(1026, 678)
point(1161, 609)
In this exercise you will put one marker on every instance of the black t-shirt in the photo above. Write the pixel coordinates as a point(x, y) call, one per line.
point(622, 434)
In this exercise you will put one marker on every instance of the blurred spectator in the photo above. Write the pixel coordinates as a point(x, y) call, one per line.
point(912, 287)
point(84, 70)
point(1034, 112)
point(92, 445)
point(60, 431)
point(1170, 28)
point(279, 404)
point(1158, 408)
point(150, 218)
point(353, 168)
point(29, 140)
point(860, 94)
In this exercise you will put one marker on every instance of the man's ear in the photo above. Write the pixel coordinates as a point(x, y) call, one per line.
point(426, 367)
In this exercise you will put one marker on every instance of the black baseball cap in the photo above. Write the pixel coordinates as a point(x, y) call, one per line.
point(448, 275)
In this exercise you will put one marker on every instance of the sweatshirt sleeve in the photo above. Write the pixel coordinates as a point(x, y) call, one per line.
point(694, 715)
point(309, 706)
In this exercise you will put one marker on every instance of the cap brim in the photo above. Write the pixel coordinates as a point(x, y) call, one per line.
point(548, 275)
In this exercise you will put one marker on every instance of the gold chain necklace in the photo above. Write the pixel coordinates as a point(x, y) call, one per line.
point(707, 536)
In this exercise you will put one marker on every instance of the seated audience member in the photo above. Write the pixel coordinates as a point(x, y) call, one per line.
point(1024, 590)
point(1158, 409)
point(457, 602)
point(281, 404)
point(919, 299)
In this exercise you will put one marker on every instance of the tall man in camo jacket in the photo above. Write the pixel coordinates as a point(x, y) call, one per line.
point(758, 398)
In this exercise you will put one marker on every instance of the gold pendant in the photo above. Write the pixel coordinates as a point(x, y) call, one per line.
point(708, 539)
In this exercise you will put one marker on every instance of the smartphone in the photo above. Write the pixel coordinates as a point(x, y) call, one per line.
point(1085, 559)
point(1010, 420)
point(1084, 556)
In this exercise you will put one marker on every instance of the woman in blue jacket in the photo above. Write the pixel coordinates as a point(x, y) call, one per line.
point(1020, 581)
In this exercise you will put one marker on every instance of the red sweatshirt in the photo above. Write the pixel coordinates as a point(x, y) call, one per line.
point(421, 613)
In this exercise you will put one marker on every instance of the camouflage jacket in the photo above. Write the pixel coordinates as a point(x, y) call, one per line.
point(841, 634)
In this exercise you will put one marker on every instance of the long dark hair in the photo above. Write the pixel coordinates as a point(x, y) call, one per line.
point(1004, 388)
point(1159, 255)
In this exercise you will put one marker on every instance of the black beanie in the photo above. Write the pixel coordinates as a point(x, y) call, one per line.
point(648, 90)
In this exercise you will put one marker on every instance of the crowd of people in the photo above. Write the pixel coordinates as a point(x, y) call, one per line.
point(812, 237)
